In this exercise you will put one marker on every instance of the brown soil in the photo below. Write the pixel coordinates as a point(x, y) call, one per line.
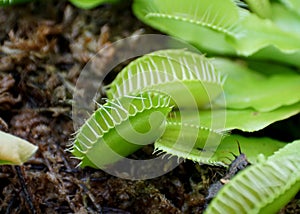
point(43, 47)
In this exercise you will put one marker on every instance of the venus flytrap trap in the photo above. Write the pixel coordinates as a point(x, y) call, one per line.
point(181, 74)
point(223, 27)
point(264, 187)
point(193, 22)
point(179, 140)
point(177, 135)
point(120, 127)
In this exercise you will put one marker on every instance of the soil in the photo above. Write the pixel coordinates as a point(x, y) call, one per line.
point(43, 47)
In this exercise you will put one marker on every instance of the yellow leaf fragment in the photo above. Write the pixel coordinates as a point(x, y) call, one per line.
point(14, 150)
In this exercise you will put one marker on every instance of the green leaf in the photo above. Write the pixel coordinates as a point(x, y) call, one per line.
point(285, 19)
point(259, 33)
point(14, 150)
point(89, 4)
point(261, 8)
point(247, 120)
point(268, 68)
point(293, 5)
point(245, 88)
point(12, 2)
point(271, 53)
point(264, 187)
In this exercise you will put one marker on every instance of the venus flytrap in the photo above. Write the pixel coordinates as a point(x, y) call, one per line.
point(163, 73)
point(145, 98)
point(193, 133)
point(194, 136)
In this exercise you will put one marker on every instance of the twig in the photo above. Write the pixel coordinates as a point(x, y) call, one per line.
point(28, 198)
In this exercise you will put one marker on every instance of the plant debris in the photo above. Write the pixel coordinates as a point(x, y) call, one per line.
point(239, 163)
point(7, 99)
